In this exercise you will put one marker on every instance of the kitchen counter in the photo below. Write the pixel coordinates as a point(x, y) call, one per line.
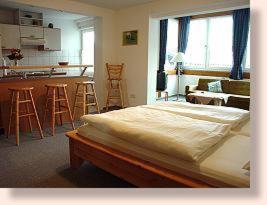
point(32, 67)
point(50, 68)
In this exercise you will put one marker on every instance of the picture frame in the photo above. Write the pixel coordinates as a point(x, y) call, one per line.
point(130, 38)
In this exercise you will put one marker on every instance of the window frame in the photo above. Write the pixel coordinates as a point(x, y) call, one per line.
point(207, 17)
point(90, 29)
point(90, 70)
point(174, 65)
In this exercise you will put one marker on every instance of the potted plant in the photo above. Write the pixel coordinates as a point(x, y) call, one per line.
point(15, 55)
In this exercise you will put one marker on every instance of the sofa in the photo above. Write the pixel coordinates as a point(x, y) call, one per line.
point(237, 90)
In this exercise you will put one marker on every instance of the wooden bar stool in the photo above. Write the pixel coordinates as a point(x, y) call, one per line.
point(56, 99)
point(27, 100)
point(114, 83)
point(88, 90)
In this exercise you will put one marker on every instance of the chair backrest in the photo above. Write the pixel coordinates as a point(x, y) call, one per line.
point(114, 71)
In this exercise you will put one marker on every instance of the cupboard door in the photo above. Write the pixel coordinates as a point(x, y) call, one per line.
point(31, 32)
point(10, 36)
point(53, 39)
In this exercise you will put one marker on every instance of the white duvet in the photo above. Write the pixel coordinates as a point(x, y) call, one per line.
point(159, 128)
point(220, 114)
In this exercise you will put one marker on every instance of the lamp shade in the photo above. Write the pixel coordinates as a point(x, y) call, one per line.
point(178, 58)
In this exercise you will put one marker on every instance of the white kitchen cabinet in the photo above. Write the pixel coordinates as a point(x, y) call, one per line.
point(10, 36)
point(52, 38)
point(31, 32)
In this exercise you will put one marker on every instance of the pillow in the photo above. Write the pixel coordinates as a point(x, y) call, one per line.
point(215, 87)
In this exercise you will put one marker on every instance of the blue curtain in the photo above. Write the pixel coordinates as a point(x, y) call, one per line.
point(240, 38)
point(163, 43)
point(184, 26)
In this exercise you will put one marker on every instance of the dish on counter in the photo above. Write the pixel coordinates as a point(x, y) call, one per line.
point(63, 63)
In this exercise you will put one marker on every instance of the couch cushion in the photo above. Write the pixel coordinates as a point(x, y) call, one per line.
point(203, 84)
point(215, 87)
point(239, 87)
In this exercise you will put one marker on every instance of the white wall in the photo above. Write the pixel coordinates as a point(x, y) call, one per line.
point(172, 85)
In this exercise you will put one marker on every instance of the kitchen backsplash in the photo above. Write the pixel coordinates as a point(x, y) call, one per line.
point(35, 57)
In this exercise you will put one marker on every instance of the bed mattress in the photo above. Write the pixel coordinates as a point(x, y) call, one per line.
point(221, 167)
point(209, 143)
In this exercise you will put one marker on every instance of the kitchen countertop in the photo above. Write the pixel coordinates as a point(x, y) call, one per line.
point(32, 67)
point(51, 71)
point(4, 80)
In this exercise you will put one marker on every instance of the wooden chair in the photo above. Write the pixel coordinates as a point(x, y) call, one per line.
point(84, 93)
point(16, 101)
point(54, 96)
point(114, 83)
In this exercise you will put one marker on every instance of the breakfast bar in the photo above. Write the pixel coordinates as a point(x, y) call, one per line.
point(32, 76)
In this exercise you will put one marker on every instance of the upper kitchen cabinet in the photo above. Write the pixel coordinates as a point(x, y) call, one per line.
point(28, 18)
point(10, 36)
point(52, 38)
point(31, 32)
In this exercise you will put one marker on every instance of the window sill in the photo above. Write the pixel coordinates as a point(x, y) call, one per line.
point(211, 73)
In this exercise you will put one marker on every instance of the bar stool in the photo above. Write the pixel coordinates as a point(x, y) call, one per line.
point(114, 81)
point(16, 101)
point(84, 93)
point(54, 96)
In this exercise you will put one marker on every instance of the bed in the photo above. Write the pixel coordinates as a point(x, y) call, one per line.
point(169, 144)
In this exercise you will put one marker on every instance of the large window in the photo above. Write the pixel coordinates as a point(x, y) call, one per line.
point(172, 43)
point(210, 44)
point(88, 41)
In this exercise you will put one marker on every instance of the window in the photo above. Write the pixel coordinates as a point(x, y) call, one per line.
point(220, 35)
point(195, 56)
point(172, 43)
point(88, 41)
point(210, 44)
point(247, 55)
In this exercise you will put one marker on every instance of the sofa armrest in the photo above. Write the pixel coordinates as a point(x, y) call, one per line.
point(190, 88)
point(239, 102)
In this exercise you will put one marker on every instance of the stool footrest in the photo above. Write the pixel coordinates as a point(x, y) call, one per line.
point(91, 104)
point(24, 101)
point(81, 94)
point(114, 97)
point(26, 115)
point(60, 112)
point(60, 99)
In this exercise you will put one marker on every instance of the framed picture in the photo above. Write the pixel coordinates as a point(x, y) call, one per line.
point(129, 38)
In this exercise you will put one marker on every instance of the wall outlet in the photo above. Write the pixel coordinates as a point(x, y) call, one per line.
point(132, 96)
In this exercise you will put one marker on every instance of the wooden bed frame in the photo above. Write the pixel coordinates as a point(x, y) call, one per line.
point(136, 171)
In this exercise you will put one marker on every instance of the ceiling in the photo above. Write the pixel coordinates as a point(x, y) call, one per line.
point(115, 4)
point(47, 13)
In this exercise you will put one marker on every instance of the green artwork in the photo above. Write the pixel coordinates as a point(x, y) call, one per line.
point(130, 37)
